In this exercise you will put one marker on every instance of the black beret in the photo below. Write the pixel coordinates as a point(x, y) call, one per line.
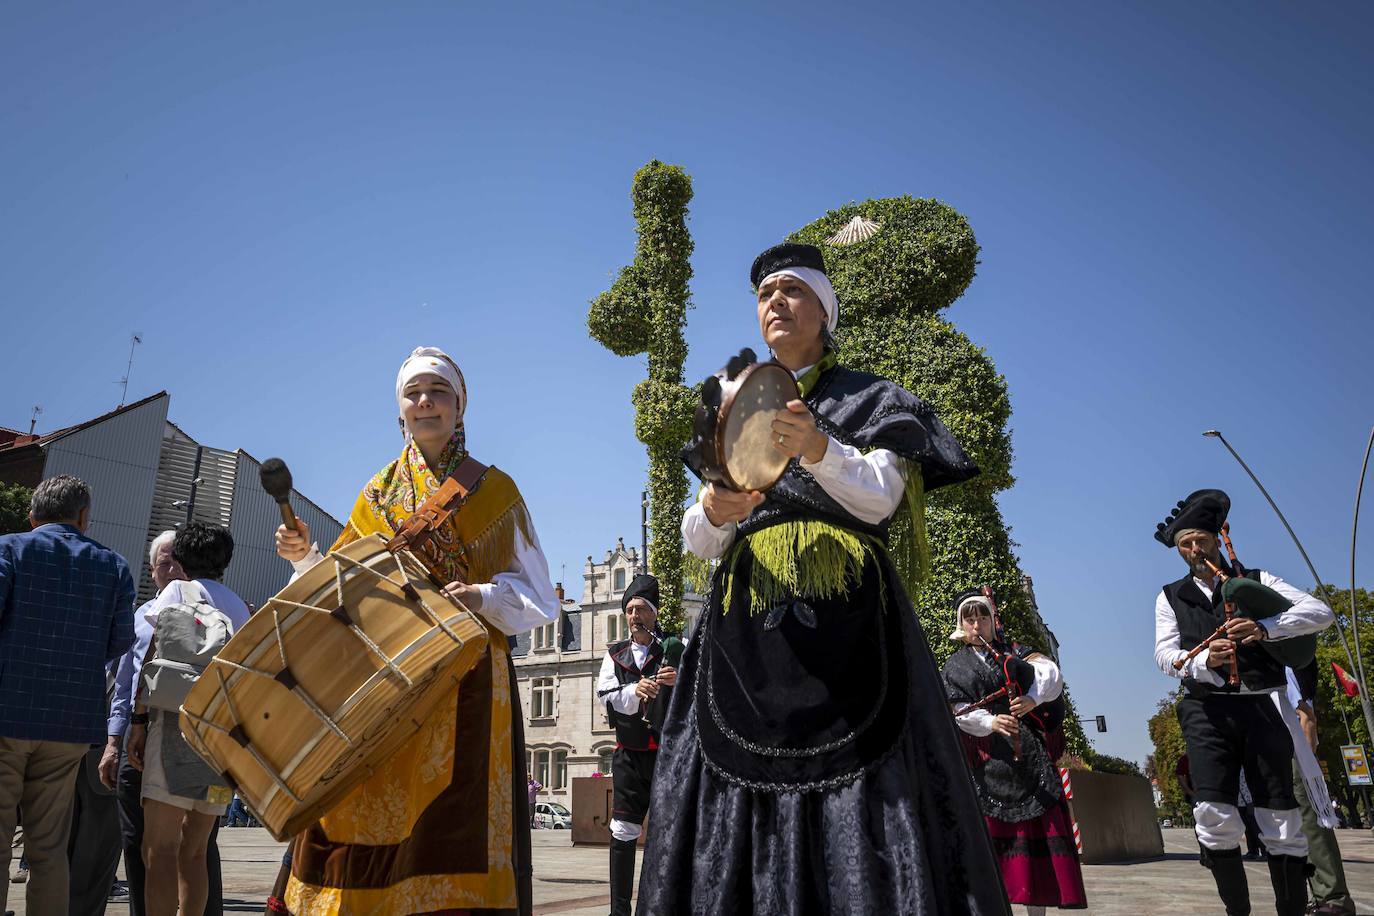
point(780, 257)
point(1205, 510)
point(642, 586)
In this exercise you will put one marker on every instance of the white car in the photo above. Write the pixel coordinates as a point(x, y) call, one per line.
point(552, 815)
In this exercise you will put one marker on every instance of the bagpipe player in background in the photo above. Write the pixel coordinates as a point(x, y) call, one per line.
point(1230, 715)
point(1007, 702)
point(633, 680)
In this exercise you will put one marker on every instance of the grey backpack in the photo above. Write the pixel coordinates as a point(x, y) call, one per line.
point(186, 637)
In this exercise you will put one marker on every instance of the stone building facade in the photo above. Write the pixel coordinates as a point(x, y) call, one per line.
point(556, 666)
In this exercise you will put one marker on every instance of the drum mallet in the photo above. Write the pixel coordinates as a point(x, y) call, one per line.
point(276, 480)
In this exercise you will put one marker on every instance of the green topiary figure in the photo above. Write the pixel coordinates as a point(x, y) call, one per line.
point(644, 311)
point(891, 288)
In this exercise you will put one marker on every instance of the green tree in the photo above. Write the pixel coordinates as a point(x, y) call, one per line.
point(1167, 737)
point(892, 287)
point(14, 508)
point(644, 311)
point(1333, 707)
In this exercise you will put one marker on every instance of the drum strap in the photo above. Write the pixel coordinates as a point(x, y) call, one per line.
point(436, 510)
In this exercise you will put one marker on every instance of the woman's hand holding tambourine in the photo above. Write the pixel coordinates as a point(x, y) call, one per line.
point(725, 506)
point(796, 436)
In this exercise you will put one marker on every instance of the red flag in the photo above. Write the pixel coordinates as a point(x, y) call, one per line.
point(1351, 688)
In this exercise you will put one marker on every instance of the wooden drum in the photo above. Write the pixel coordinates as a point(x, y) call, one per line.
point(327, 679)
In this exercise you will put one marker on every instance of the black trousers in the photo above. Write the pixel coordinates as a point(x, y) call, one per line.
point(632, 775)
point(93, 845)
point(1226, 734)
point(129, 789)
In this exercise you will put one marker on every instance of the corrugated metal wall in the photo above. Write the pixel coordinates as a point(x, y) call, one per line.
point(211, 502)
point(257, 573)
point(118, 459)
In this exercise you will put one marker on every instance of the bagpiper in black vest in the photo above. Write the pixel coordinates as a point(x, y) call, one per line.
point(1199, 618)
point(631, 732)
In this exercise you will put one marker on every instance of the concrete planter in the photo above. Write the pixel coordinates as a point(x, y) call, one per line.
point(591, 812)
point(1116, 817)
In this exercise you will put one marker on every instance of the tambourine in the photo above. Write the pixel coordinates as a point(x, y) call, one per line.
point(733, 443)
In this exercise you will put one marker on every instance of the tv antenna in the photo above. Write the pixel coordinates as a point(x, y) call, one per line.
point(33, 417)
point(134, 341)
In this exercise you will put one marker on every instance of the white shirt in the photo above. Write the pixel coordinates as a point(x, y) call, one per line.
point(514, 601)
point(1307, 615)
point(610, 690)
point(869, 486)
point(221, 596)
point(1049, 684)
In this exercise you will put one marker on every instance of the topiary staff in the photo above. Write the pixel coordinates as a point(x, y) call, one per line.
point(644, 311)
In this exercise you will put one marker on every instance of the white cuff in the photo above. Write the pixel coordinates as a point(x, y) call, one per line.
point(484, 591)
point(1198, 670)
point(308, 562)
point(830, 462)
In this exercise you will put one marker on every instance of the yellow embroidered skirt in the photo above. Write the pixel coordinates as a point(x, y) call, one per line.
point(435, 829)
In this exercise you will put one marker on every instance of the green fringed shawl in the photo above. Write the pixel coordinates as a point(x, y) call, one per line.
point(809, 558)
point(815, 559)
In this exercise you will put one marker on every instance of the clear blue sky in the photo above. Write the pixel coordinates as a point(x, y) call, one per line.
point(1173, 205)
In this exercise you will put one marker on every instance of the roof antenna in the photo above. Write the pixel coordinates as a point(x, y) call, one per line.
point(33, 417)
point(134, 341)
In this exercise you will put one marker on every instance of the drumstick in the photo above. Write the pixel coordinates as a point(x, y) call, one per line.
point(276, 480)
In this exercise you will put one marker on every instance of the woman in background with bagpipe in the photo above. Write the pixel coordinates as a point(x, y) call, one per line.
point(1229, 633)
point(1007, 701)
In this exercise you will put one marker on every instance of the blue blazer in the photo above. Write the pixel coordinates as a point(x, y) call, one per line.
point(66, 609)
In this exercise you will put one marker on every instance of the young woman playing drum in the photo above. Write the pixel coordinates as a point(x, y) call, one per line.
point(809, 764)
point(438, 828)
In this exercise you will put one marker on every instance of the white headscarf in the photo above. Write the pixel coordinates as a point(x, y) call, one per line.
point(432, 361)
point(820, 285)
point(958, 634)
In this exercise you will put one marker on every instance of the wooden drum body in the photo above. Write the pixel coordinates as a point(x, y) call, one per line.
point(330, 677)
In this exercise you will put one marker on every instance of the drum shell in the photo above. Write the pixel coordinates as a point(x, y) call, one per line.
point(348, 682)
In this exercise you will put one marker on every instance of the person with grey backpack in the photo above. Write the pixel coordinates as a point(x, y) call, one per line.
point(183, 797)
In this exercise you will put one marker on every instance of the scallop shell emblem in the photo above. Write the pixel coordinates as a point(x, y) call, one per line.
point(857, 230)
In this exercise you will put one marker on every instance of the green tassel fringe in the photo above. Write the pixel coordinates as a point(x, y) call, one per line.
point(906, 537)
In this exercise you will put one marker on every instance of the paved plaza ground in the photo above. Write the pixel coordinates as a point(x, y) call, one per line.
point(571, 881)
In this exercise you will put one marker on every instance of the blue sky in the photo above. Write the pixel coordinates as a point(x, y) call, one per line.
point(1173, 204)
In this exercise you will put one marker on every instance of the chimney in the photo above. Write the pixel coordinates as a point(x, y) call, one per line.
point(558, 590)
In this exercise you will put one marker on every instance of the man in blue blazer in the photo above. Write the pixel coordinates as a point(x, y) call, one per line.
point(66, 609)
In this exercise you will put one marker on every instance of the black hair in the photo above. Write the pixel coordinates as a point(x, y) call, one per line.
point(203, 550)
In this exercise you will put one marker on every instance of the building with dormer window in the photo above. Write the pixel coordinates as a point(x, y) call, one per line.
point(556, 666)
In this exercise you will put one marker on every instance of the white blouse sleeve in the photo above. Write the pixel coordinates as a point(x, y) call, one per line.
point(869, 486)
point(608, 690)
point(977, 723)
point(522, 597)
point(1309, 614)
point(1168, 650)
point(703, 538)
point(1049, 683)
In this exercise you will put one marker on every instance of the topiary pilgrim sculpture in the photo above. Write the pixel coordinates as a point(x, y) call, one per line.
point(644, 312)
point(896, 263)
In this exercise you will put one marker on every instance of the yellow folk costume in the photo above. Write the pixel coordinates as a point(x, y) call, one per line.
point(443, 826)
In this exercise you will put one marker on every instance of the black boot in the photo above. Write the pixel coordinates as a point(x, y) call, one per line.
point(1288, 874)
point(622, 876)
point(1229, 872)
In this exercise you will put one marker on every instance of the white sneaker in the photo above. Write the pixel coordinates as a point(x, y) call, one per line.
point(21, 874)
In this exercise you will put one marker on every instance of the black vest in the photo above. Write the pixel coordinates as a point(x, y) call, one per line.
point(631, 732)
point(1199, 618)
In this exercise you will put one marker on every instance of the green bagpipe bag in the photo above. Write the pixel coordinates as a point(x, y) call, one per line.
point(1260, 602)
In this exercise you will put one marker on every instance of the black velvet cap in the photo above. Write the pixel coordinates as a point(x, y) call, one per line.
point(642, 586)
point(1205, 510)
point(788, 254)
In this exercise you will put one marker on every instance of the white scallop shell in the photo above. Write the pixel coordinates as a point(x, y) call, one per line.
point(856, 230)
